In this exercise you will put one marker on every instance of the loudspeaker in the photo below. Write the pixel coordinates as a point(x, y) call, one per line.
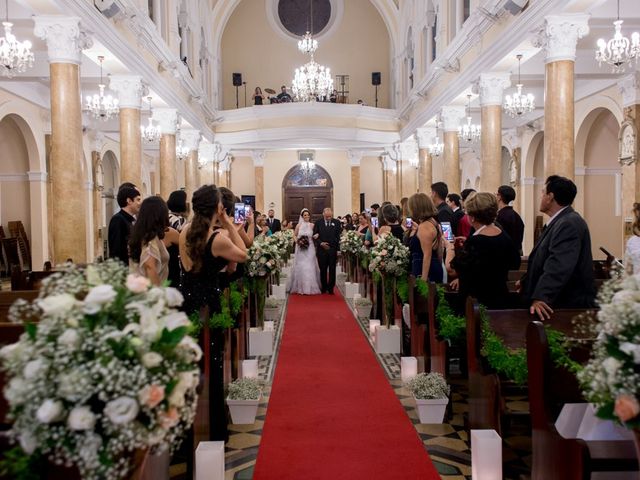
point(515, 6)
point(376, 78)
point(108, 7)
point(237, 79)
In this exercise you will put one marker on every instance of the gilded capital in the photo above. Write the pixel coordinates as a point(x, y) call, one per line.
point(65, 40)
point(130, 90)
point(560, 34)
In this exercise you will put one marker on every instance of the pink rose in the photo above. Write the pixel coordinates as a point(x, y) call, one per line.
point(383, 252)
point(169, 419)
point(626, 407)
point(151, 395)
point(137, 283)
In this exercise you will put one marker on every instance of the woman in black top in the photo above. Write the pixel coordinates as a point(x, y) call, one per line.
point(258, 96)
point(487, 256)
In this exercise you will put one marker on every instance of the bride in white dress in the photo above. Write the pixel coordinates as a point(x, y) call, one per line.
point(305, 275)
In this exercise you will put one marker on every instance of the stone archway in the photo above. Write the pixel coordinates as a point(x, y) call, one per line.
point(302, 189)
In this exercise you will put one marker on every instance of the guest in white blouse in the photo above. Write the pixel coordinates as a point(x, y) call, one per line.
point(632, 251)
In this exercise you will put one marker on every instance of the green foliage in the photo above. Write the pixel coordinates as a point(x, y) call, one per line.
point(222, 319)
point(169, 339)
point(402, 288)
point(422, 287)
point(451, 327)
point(16, 464)
point(31, 329)
point(236, 298)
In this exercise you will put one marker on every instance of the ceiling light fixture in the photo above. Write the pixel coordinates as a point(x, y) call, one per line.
point(15, 56)
point(519, 103)
point(101, 106)
point(469, 132)
point(618, 51)
point(150, 133)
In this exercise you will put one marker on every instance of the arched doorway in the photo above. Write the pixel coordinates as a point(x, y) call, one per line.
point(302, 188)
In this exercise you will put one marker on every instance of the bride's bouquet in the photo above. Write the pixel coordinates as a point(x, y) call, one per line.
point(105, 369)
point(303, 242)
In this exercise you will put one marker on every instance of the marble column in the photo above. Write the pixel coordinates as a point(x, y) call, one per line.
point(426, 136)
point(191, 141)
point(559, 38)
point(205, 154)
point(451, 117)
point(97, 139)
point(390, 169)
point(408, 167)
point(491, 88)
point(167, 121)
point(355, 158)
point(68, 174)
point(130, 90)
point(258, 157)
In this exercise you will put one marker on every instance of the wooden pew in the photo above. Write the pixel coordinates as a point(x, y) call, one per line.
point(418, 315)
point(550, 387)
point(486, 400)
point(32, 280)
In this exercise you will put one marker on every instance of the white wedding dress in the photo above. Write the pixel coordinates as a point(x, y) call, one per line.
point(305, 274)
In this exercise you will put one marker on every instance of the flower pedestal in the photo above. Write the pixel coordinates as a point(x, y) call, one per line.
point(351, 289)
point(279, 292)
point(243, 412)
point(387, 339)
point(363, 311)
point(272, 313)
point(431, 410)
point(260, 342)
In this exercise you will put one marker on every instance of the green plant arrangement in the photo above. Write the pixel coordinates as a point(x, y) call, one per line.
point(244, 389)
point(402, 289)
point(422, 287)
point(451, 327)
point(428, 386)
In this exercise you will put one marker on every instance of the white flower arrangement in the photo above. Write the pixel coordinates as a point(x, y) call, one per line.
point(611, 378)
point(280, 241)
point(362, 302)
point(389, 257)
point(272, 302)
point(350, 242)
point(108, 370)
point(244, 389)
point(263, 258)
point(428, 386)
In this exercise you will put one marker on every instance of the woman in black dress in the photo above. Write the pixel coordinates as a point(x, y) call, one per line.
point(258, 96)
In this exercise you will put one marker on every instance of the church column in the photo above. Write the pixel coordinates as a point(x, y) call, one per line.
point(167, 121)
point(630, 89)
point(355, 158)
point(559, 37)
point(205, 154)
point(426, 136)
point(451, 117)
point(491, 87)
point(97, 139)
point(65, 42)
point(390, 169)
point(258, 170)
point(130, 90)
point(191, 141)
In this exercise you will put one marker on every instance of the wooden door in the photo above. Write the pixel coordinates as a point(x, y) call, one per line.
point(306, 189)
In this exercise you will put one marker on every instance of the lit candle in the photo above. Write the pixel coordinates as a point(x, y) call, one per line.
point(250, 369)
point(408, 368)
point(486, 455)
point(210, 461)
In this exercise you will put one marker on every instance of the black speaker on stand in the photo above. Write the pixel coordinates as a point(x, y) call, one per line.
point(237, 82)
point(376, 80)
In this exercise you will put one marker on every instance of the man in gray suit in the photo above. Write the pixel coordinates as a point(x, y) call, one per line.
point(560, 268)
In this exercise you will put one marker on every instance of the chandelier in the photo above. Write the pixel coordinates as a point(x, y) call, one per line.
point(182, 152)
point(436, 148)
point(15, 56)
point(618, 51)
point(469, 132)
point(308, 45)
point(100, 106)
point(150, 133)
point(519, 103)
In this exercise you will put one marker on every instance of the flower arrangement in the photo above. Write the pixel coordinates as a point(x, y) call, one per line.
point(611, 379)
point(280, 241)
point(350, 242)
point(362, 302)
point(389, 257)
point(108, 370)
point(244, 389)
point(428, 386)
point(303, 242)
point(263, 258)
point(272, 302)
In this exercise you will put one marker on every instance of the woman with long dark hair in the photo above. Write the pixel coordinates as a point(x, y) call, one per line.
point(147, 250)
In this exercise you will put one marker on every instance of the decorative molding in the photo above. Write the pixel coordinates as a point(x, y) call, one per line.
point(388, 164)
point(14, 177)
point(491, 87)
point(628, 143)
point(190, 139)
point(512, 138)
point(409, 150)
point(166, 119)
point(98, 140)
point(258, 157)
point(630, 89)
point(528, 181)
point(355, 157)
point(37, 176)
point(130, 90)
point(560, 34)
point(426, 136)
point(65, 40)
point(451, 117)
point(88, 185)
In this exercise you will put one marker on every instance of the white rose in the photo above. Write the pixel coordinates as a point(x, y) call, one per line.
point(97, 297)
point(173, 297)
point(70, 385)
point(131, 328)
point(28, 442)
point(186, 381)
point(81, 418)
point(632, 349)
point(191, 348)
point(121, 410)
point(137, 283)
point(175, 320)
point(151, 359)
point(11, 352)
point(69, 338)
point(57, 304)
point(34, 369)
point(91, 443)
point(72, 322)
point(50, 411)
point(16, 391)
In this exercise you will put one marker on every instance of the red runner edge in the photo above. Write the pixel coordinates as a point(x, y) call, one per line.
point(332, 413)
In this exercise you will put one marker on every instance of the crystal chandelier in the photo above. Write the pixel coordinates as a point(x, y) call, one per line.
point(150, 133)
point(100, 106)
point(182, 152)
point(469, 132)
point(519, 103)
point(436, 148)
point(15, 56)
point(308, 45)
point(618, 51)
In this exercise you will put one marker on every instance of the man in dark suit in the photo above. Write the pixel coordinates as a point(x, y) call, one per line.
point(560, 267)
point(272, 222)
point(508, 219)
point(455, 204)
point(326, 233)
point(120, 224)
point(439, 192)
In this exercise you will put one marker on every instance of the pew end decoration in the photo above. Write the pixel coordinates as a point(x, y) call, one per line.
point(108, 372)
point(243, 399)
point(351, 245)
point(611, 378)
point(264, 258)
point(431, 393)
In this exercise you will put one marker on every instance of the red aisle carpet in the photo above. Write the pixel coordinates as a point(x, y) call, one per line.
point(332, 413)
